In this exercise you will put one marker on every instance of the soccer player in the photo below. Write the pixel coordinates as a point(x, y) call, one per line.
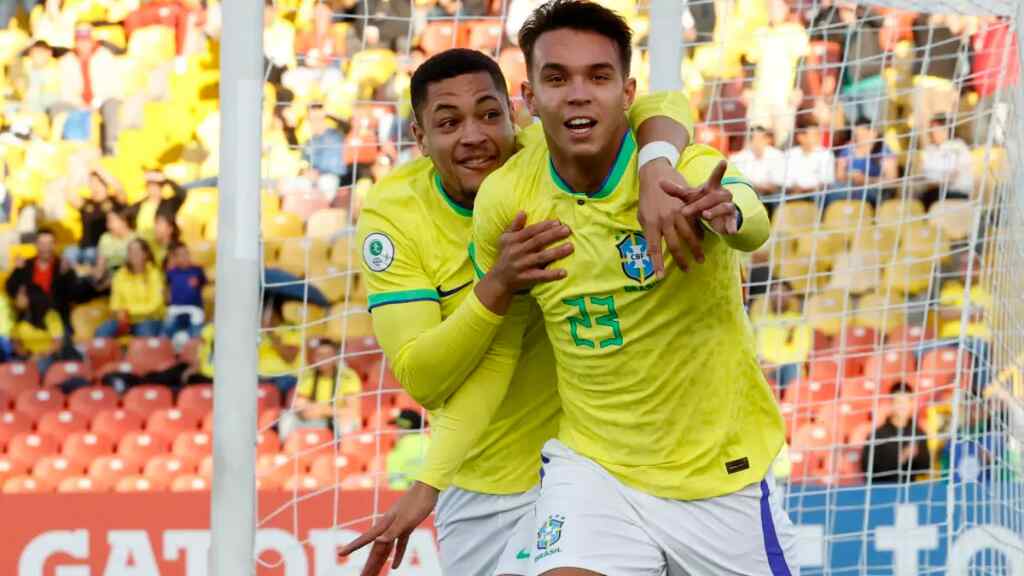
point(661, 464)
point(435, 326)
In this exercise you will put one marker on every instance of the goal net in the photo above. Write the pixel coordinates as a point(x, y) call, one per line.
point(885, 139)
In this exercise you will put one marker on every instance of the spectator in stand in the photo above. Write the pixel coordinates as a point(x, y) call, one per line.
point(185, 282)
point(47, 272)
point(91, 79)
point(157, 201)
point(391, 20)
point(764, 165)
point(165, 235)
point(865, 166)
point(38, 332)
point(173, 14)
point(784, 339)
point(810, 168)
point(325, 148)
point(947, 166)
point(406, 458)
point(280, 349)
point(899, 450)
point(937, 74)
point(324, 44)
point(327, 396)
point(996, 66)
point(136, 296)
point(105, 196)
point(777, 49)
point(856, 30)
point(113, 247)
point(40, 81)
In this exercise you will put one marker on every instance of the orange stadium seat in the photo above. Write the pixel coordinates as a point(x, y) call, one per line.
point(16, 377)
point(52, 470)
point(276, 468)
point(22, 484)
point(826, 312)
point(61, 423)
point(440, 35)
point(107, 471)
point(9, 468)
point(60, 372)
point(77, 484)
point(144, 400)
point(513, 64)
point(84, 447)
point(168, 423)
point(35, 403)
point(361, 354)
point(485, 35)
point(908, 337)
point(196, 399)
point(844, 465)
point(206, 467)
point(192, 446)
point(137, 483)
point(268, 442)
point(138, 447)
point(6, 401)
point(358, 482)
point(890, 367)
point(29, 447)
point(304, 203)
point(12, 424)
point(302, 483)
point(190, 483)
point(860, 339)
point(861, 389)
point(879, 311)
point(306, 444)
point(330, 470)
point(268, 418)
point(119, 367)
point(190, 352)
point(114, 424)
point(86, 318)
point(809, 453)
point(267, 396)
point(92, 400)
point(207, 423)
point(150, 354)
point(938, 370)
point(163, 466)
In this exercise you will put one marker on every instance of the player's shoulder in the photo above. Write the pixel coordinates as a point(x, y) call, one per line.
point(399, 196)
point(517, 178)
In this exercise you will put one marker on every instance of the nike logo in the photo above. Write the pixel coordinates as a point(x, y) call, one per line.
point(445, 294)
point(523, 554)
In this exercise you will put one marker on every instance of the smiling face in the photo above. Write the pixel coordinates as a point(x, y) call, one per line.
point(465, 128)
point(579, 90)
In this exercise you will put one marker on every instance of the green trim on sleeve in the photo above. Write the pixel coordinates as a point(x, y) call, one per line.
point(727, 180)
point(472, 258)
point(403, 296)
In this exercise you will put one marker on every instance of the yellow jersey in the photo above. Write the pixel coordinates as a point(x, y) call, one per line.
point(658, 379)
point(38, 340)
point(414, 240)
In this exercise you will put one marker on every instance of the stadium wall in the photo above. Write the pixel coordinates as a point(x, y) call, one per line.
point(168, 534)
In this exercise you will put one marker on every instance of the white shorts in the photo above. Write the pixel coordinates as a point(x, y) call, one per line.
point(588, 519)
point(474, 530)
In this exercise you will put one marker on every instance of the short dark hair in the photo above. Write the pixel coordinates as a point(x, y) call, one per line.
point(581, 15)
point(863, 121)
point(450, 64)
point(901, 388)
point(44, 231)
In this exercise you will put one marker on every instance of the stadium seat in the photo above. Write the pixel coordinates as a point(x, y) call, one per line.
point(809, 453)
point(440, 35)
point(61, 423)
point(938, 370)
point(92, 400)
point(880, 241)
point(9, 468)
point(361, 354)
point(513, 64)
point(282, 225)
point(22, 484)
point(308, 443)
point(114, 424)
point(824, 59)
point(844, 465)
point(890, 367)
point(192, 446)
point(861, 389)
point(296, 313)
point(899, 211)
point(860, 339)
point(12, 424)
point(35, 403)
point(953, 218)
point(358, 482)
point(84, 447)
point(203, 253)
point(137, 483)
point(919, 240)
point(146, 399)
point(106, 471)
point(348, 324)
point(268, 418)
point(138, 447)
point(877, 311)
point(330, 470)
point(794, 218)
point(52, 470)
point(485, 35)
point(267, 396)
point(78, 484)
point(267, 442)
point(826, 312)
point(300, 256)
point(190, 352)
point(150, 354)
point(302, 483)
point(335, 282)
point(303, 202)
point(169, 423)
point(190, 483)
point(29, 447)
point(165, 466)
point(196, 399)
point(206, 467)
point(119, 367)
point(344, 253)
point(908, 337)
point(327, 223)
point(61, 372)
point(86, 318)
point(856, 272)
point(16, 377)
point(6, 401)
point(277, 467)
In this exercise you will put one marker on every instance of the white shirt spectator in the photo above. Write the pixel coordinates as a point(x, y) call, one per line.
point(765, 171)
point(949, 161)
point(815, 169)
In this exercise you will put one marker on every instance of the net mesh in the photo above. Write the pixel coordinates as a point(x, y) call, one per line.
point(884, 137)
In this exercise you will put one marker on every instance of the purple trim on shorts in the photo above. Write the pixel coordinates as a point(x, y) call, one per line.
point(772, 548)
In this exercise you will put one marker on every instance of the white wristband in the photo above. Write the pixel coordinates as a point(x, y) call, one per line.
point(655, 150)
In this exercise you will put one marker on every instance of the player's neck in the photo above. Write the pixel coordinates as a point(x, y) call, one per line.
point(588, 173)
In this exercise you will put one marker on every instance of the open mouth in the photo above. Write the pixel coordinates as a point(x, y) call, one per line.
point(477, 162)
point(580, 125)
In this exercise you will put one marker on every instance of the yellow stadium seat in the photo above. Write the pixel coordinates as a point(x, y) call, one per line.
point(876, 310)
point(921, 240)
point(826, 311)
point(209, 296)
point(803, 273)
point(346, 323)
point(210, 230)
point(856, 272)
point(299, 255)
point(794, 218)
point(910, 275)
point(333, 281)
point(953, 218)
point(282, 225)
point(345, 253)
point(328, 222)
point(203, 253)
point(86, 318)
point(990, 168)
point(298, 313)
point(848, 215)
point(899, 211)
point(191, 227)
point(880, 240)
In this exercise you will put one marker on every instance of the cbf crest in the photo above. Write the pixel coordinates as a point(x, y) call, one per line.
point(636, 263)
point(551, 532)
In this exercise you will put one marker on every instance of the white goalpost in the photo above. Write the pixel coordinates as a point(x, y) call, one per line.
point(919, 289)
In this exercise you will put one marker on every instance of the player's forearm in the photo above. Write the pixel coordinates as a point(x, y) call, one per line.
point(432, 361)
point(753, 231)
point(459, 424)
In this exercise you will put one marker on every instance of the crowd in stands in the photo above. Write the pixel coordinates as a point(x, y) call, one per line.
point(873, 135)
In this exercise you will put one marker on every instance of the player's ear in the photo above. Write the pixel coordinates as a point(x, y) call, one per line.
point(528, 96)
point(420, 137)
point(629, 87)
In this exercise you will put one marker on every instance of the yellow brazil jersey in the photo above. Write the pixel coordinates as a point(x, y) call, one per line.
point(414, 239)
point(658, 379)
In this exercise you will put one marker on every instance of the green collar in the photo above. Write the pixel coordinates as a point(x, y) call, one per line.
point(612, 179)
point(459, 209)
